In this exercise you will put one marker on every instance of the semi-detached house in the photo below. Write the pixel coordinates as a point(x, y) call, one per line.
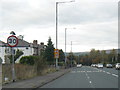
point(24, 46)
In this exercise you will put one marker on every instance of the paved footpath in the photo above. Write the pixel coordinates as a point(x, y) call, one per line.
point(37, 81)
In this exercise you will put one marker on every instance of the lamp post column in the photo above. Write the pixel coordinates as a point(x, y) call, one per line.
point(65, 47)
point(56, 32)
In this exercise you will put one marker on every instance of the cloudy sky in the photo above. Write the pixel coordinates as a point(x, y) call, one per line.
point(95, 22)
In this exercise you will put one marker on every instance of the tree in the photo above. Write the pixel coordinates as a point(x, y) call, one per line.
point(118, 59)
point(95, 56)
point(49, 52)
point(28, 60)
point(104, 57)
point(71, 58)
point(112, 56)
point(61, 55)
point(0, 60)
point(16, 56)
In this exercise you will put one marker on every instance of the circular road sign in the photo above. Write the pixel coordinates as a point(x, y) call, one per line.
point(12, 41)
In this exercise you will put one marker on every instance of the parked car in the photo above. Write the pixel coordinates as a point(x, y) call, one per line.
point(92, 65)
point(99, 65)
point(109, 65)
point(79, 65)
point(117, 66)
point(96, 65)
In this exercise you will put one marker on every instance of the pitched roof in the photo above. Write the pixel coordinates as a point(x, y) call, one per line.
point(2, 43)
point(22, 43)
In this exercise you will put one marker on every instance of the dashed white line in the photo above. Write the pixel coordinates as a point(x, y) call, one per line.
point(89, 71)
point(88, 77)
point(108, 73)
point(115, 75)
point(103, 71)
point(90, 82)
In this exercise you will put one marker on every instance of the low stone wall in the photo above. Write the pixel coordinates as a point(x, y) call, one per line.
point(23, 72)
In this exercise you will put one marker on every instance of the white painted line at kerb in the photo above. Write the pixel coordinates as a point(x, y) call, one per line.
point(115, 75)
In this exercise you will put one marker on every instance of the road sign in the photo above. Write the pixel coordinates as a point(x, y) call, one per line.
point(56, 53)
point(12, 41)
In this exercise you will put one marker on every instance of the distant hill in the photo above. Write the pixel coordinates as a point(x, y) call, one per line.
point(84, 53)
point(79, 53)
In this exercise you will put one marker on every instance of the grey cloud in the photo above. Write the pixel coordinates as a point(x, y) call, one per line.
point(79, 13)
point(95, 17)
point(22, 14)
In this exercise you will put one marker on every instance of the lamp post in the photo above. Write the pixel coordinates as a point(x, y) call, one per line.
point(71, 53)
point(57, 27)
point(65, 43)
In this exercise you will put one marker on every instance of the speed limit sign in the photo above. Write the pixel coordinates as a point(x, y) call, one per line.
point(12, 41)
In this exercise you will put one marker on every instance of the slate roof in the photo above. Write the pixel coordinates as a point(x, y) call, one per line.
point(2, 43)
point(22, 43)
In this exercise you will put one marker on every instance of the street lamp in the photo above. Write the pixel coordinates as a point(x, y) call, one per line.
point(57, 27)
point(65, 43)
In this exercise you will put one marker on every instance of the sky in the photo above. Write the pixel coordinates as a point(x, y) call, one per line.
point(90, 23)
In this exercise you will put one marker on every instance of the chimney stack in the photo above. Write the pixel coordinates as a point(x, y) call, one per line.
point(35, 42)
point(41, 43)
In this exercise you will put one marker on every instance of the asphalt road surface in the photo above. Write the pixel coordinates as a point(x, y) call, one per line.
point(86, 77)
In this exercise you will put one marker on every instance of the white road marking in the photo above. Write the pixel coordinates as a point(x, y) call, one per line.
point(115, 75)
point(72, 71)
point(84, 71)
point(88, 77)
point(108, 73)
point(89, 71)
point(103, 71)
point(90, 82)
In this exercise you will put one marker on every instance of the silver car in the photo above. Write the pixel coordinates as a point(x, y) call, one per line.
point(117, 66)
point(100, 65)
point(109, 65)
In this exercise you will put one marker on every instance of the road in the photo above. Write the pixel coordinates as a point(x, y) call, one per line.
point(86, 77)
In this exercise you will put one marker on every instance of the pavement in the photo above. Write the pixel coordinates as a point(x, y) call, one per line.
point(87, 77)
point(37, 81)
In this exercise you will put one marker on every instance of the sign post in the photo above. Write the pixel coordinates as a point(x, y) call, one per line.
point(12, 41)
point(56, 55)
